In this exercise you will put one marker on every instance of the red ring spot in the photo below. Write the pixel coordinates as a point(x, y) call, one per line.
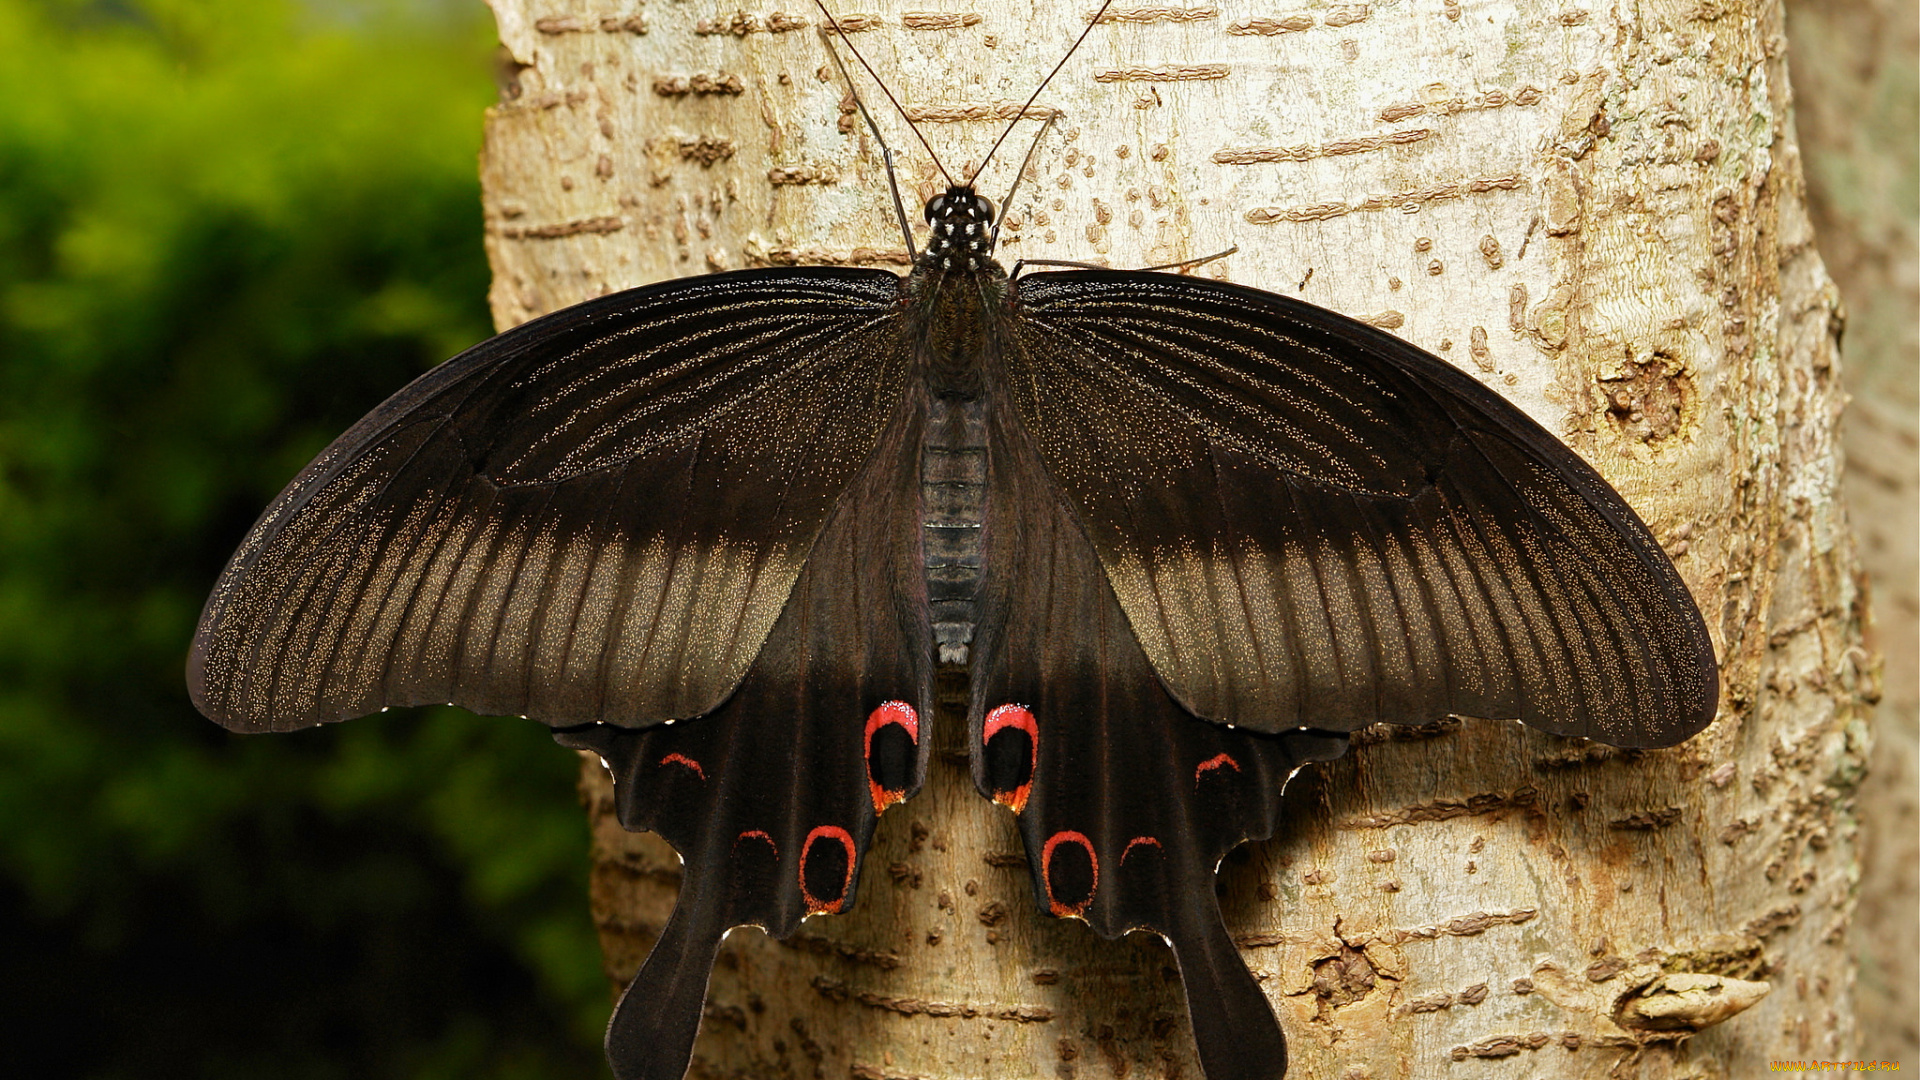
point(1018, 718)
point(815, 905)
point(889, 712)
point(1138, 841)
point(756, 834)
point(1217, 761)
point(1046, 872)
point(682, 759)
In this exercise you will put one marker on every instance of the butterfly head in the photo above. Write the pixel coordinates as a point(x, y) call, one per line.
point(962, 221)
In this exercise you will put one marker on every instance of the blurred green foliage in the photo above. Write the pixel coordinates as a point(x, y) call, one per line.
point(227, 229)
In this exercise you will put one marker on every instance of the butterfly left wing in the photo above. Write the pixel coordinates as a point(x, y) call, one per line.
point(595, 516)
point(771, 798)
point(1127, 801)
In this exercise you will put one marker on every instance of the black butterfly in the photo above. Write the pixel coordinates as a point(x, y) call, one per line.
point(1180, 537)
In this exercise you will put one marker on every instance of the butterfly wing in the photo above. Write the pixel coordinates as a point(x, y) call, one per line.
point(596, 516)
point(1309, 522)
point(771, 799)
point(1127, 801)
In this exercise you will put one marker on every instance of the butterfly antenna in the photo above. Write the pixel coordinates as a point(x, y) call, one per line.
point(895, 102)
point(1007, 203)
point(1018, 116)
point(886, 152)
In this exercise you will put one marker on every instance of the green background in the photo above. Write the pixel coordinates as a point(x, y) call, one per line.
point(227, 229)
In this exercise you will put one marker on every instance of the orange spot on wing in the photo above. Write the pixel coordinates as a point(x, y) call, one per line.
point(1019, 718)
point(1217, 761)
point(756, 834)
point(1010, 716)
point(845, 840)
point(1046, 873)
point(682, 759)
point(891, 712)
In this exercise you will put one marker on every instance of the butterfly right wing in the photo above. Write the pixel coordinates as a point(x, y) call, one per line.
point(1127, 801)
point(1311, 522)
point(596, 516)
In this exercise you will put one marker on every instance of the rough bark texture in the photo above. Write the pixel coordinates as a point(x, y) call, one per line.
point(1596, 208)
point(1856, 67)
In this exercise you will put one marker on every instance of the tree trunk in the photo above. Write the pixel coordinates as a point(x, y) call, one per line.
point(1597, 210)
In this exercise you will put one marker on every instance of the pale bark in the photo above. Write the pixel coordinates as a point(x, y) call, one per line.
point(1596, 209)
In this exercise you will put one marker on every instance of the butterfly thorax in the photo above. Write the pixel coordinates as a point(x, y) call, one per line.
point(955, 291)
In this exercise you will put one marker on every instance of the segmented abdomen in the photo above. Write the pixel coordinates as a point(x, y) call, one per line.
point(953, 502)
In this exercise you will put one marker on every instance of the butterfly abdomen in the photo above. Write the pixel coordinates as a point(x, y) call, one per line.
point(953, 503)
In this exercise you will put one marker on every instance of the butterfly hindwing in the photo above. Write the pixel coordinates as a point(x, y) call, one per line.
point(596, 516)
point(1127, 802)
point(771, 799)
point(1309, 522)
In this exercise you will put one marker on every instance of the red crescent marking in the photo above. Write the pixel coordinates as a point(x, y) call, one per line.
point(893, 712)
point(756, 834)
point(1013, 716)
point(1138, 841)
point(814, 903)
point(682, 759)
point(1046, 872)
point(1018, 718)
point(1212, 763)
point(890, 712)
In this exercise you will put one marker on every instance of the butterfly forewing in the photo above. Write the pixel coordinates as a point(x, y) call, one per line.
point(595, 516)
point(1310, 523)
